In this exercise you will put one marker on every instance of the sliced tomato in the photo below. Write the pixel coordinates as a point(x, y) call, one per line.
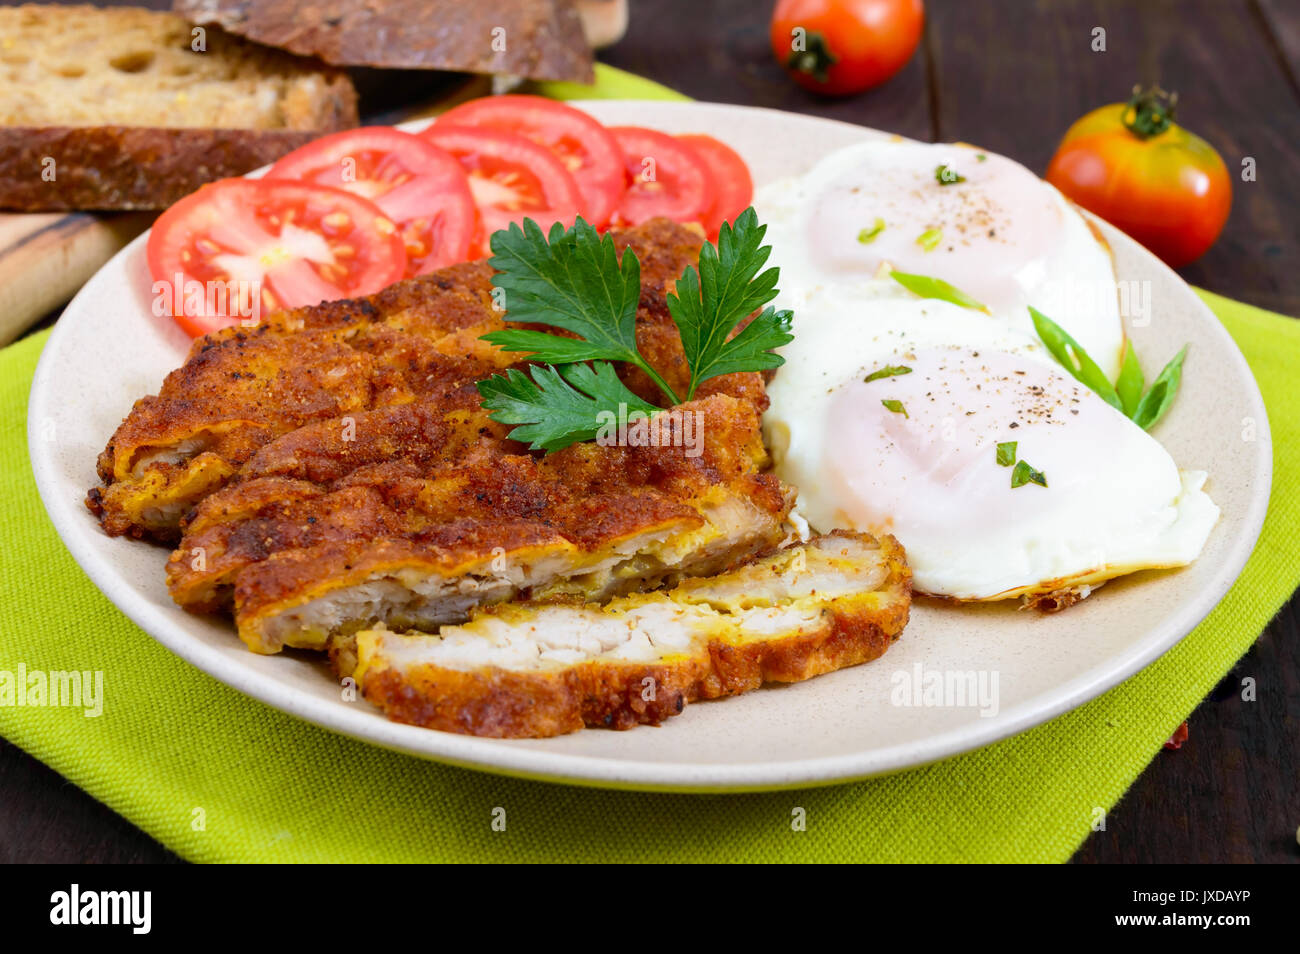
point(510, 177)
point(733, 185)
point(422, 188)
point(241, 248)
point(664, 177)
point(585, 147)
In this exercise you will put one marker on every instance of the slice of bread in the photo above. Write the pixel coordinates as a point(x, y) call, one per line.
point(124, 108)
point(535, 39)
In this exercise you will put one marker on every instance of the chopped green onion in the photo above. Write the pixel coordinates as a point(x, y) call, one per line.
point(927, 287)
point(947, 175)
point(896, 407)
point(1161, 396)
point(930, 239)
point(1073, 358)
point(1024, 474)
point(888, 371)
point(867, 236)
point(1128, 386)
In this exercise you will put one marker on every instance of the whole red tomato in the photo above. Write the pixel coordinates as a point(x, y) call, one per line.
point(845, 46)
point(1131, 164)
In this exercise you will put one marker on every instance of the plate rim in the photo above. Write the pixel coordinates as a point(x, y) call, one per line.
point(490, 755)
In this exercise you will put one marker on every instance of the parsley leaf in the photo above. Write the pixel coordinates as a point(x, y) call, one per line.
point(1006, 453)
point(571, 280)
point(575, 280)
point(710, 302)
point(896, 406)
point(557, 407)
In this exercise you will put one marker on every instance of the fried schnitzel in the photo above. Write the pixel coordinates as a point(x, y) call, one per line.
point(332, 468)
point(424, 514)
point(525, 670)
point(241, 388)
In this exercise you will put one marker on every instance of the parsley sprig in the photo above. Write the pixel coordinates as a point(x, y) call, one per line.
point(573, 279)
point(727, 288)
point(557, 407)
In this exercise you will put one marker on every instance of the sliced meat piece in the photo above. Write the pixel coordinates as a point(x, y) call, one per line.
point(242, 388)
point(421, 514)
point(527, 670)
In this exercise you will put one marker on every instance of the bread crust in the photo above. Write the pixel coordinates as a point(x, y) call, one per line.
point(133, 167)
point(111, 123)
point(538, 39)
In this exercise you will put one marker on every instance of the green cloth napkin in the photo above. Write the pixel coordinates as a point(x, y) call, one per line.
point(219, 777)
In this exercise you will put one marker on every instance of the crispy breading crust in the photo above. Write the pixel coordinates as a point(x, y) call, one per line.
point(333, 468)
point(405, 500)
point(503, 703)
point(417, 340)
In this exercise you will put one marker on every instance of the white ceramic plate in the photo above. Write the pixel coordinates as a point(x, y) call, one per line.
point(107, 350)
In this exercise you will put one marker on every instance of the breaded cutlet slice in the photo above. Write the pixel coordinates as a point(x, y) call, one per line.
point(240, 388)
point(418, 340)
point(527, 670)
point(418, 515)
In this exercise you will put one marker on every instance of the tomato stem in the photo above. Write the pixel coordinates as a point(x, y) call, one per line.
point(815, 59)
point(1149, 112)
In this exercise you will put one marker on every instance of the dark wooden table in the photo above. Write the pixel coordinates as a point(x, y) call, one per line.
point(1009, 75)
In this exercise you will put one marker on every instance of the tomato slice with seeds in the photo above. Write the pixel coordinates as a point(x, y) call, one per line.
point(733, 185)
point(422, 188)
point(664, 177)
point(240, 248)
point(586, 148)
point(510, 177)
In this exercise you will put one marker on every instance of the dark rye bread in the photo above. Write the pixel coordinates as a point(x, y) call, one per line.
point(116, 109)
point(536, 39)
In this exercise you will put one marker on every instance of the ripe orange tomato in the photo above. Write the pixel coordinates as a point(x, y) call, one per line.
point(845, 46)
point(1132, 165)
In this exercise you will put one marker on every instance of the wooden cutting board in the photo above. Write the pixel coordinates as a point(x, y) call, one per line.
point(46, 257)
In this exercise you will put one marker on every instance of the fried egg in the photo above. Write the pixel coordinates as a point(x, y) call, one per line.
point(914, 417)
point(979, 221)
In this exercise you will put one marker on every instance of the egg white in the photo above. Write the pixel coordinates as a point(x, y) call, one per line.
point(1115, 501)
point(1005, 237)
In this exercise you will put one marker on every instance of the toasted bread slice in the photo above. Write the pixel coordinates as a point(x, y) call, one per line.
point(527, 670)
point(126, 108)
point(537, 39)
